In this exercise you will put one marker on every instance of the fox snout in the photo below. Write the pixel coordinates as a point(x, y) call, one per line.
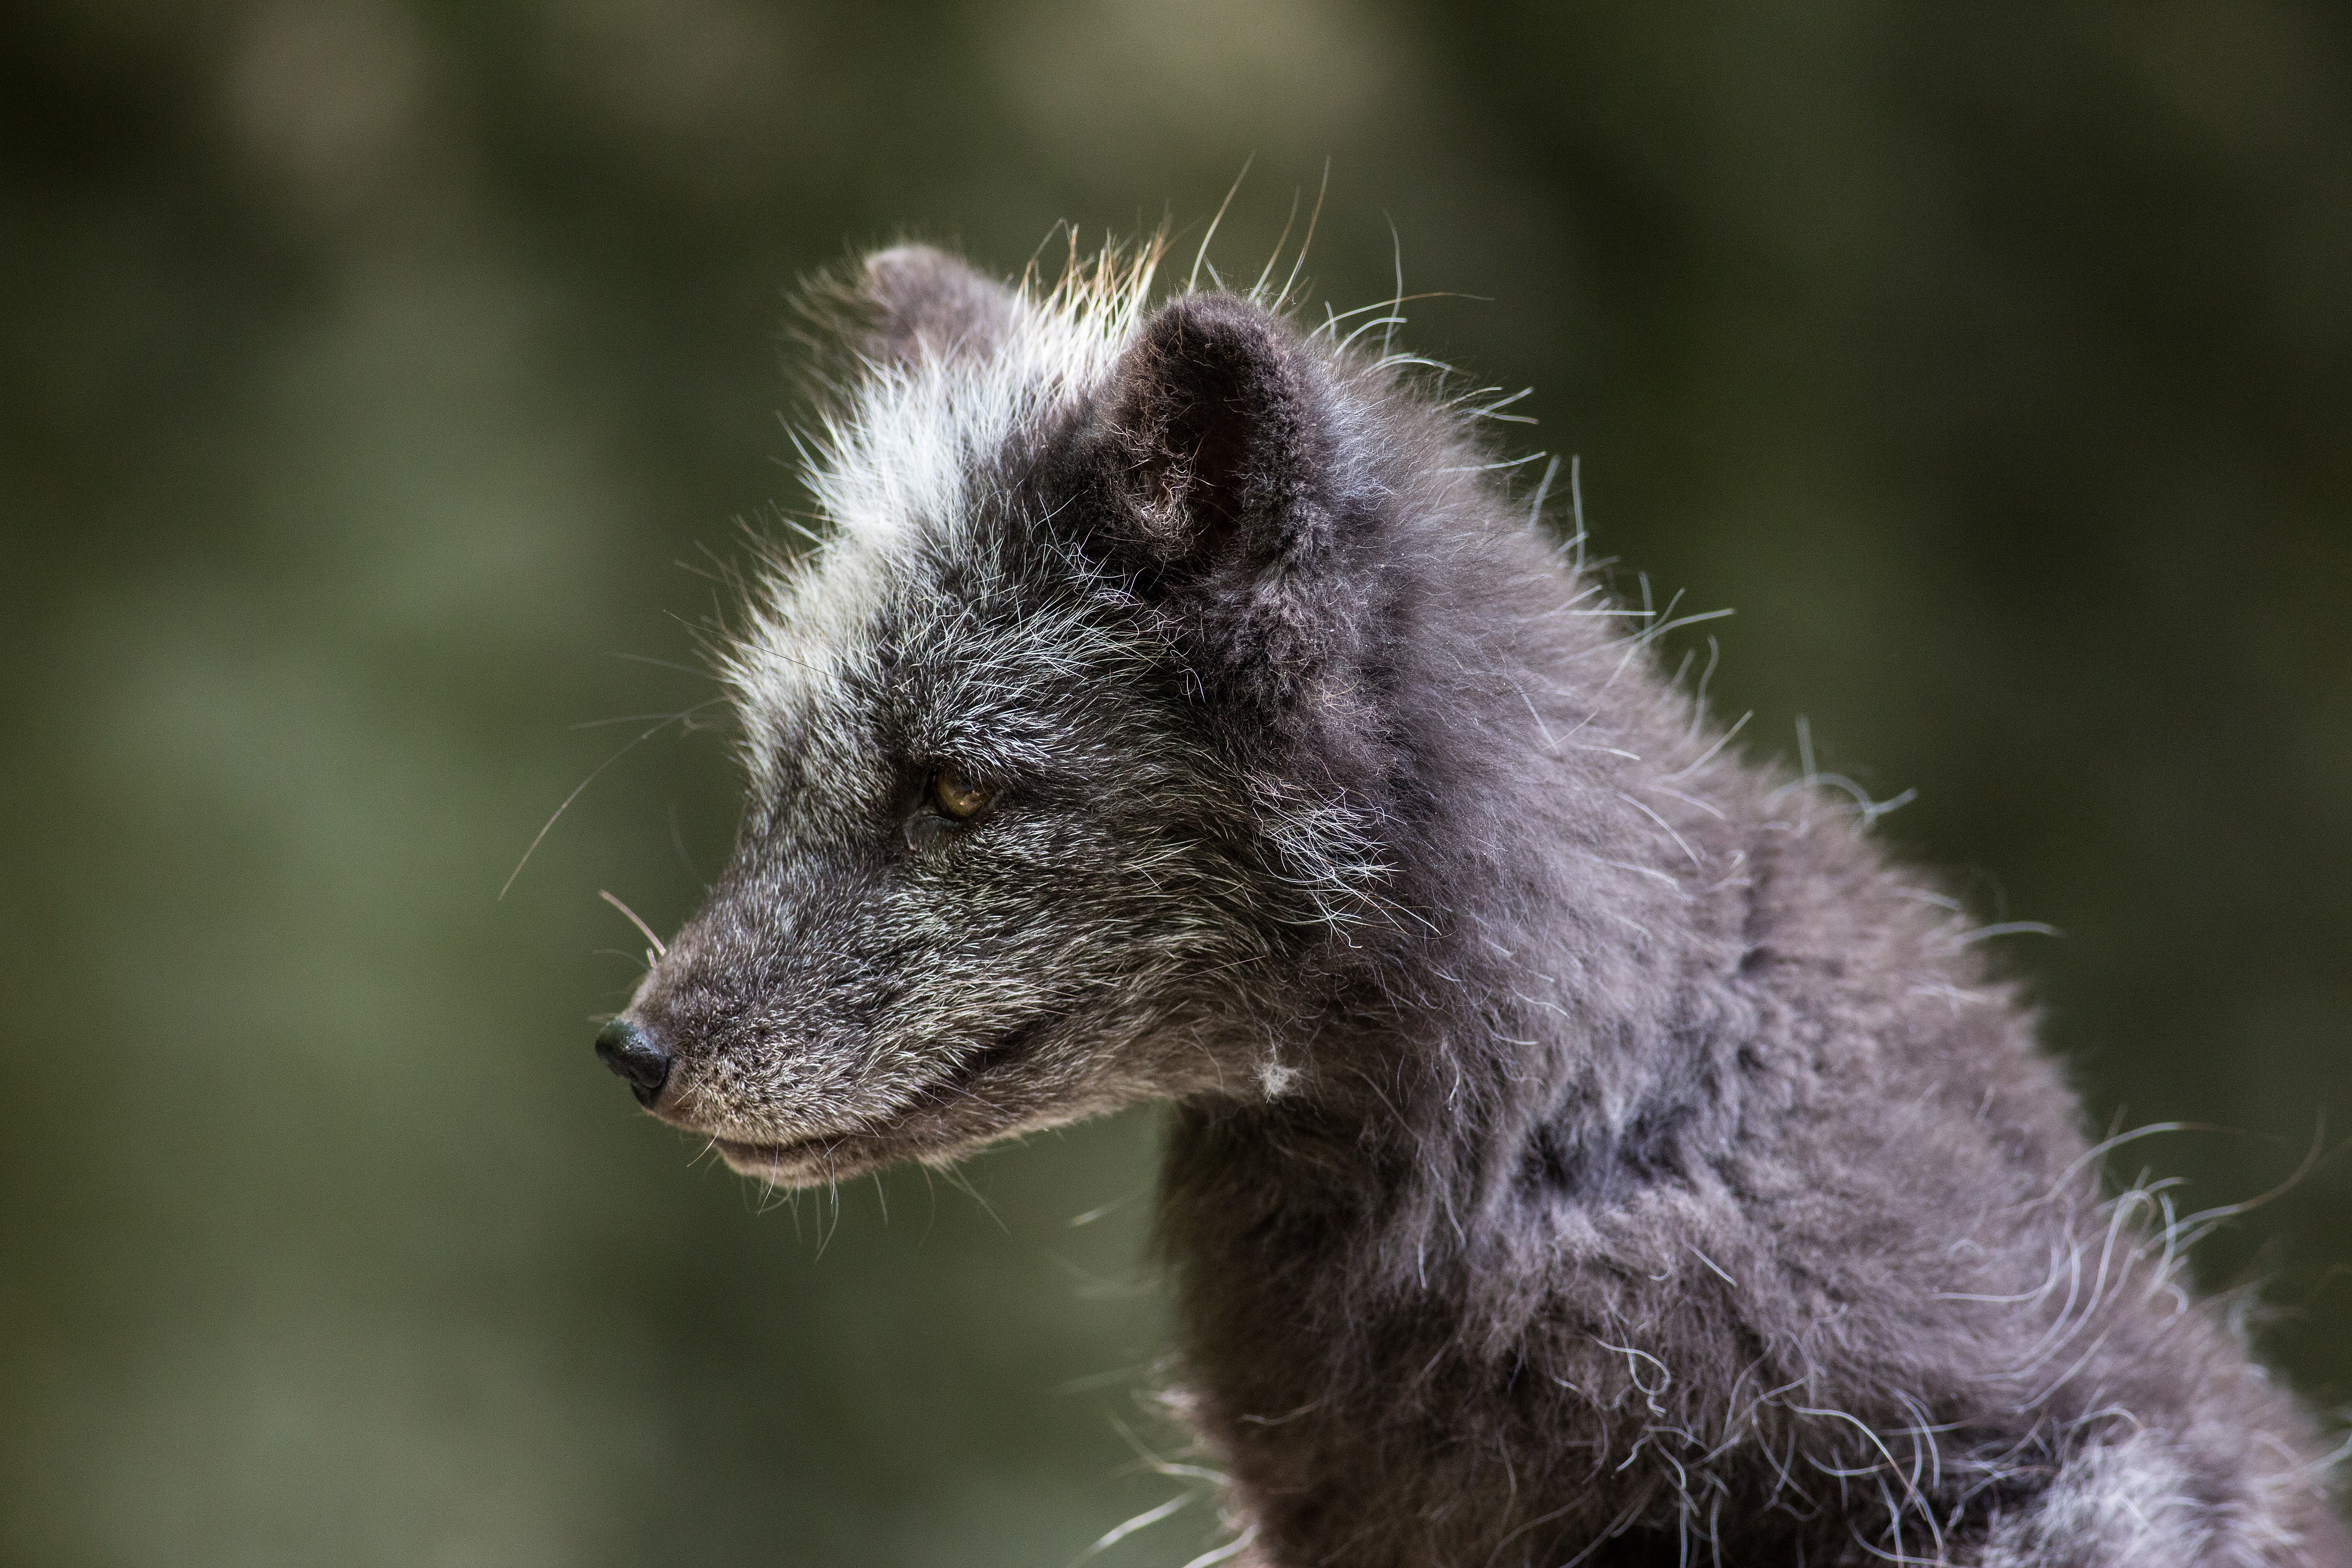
point(636, 1058)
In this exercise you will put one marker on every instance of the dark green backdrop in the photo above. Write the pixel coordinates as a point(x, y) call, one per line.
point(368, 368)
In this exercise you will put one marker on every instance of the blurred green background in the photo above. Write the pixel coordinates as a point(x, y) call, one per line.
point(370, 368)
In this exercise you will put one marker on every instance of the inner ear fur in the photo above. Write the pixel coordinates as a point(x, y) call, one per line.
point(920, 304)
point(1211, 444)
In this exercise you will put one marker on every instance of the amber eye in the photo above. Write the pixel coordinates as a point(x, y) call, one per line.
point(957, 795)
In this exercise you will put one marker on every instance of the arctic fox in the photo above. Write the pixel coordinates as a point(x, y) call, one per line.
point(1588, 1146)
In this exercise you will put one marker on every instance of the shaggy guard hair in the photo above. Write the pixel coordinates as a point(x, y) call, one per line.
point(1588, 1148)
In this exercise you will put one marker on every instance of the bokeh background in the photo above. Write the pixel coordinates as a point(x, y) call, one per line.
point(379, 382)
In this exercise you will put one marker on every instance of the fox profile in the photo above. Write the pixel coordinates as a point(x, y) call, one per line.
point(1588, 1146)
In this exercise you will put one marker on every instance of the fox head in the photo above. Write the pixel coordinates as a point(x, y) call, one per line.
point(1043, 815)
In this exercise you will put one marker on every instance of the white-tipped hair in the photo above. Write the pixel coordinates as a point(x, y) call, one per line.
point(902, 448)
point(893, 456)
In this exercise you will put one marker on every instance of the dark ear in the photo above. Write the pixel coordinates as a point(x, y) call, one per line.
point(923, 302)
point(1213, 444)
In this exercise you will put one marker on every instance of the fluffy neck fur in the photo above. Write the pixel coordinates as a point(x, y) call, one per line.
point(1663, 1174)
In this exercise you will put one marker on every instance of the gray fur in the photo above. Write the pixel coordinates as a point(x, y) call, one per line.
point(1588, 1147)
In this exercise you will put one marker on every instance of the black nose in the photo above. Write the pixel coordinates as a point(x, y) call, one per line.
point(636, 1056)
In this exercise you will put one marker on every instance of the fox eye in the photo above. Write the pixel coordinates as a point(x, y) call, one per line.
point(957, 795)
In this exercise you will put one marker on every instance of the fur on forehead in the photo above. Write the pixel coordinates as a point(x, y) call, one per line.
point(951, 365)
point(928, 646)
point(948, 368)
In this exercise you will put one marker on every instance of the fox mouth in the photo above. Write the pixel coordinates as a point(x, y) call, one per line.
point(829, 1156)
point(838, 1153)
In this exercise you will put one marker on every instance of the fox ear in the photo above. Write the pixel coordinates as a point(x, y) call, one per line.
point(924, 303)
point(1213, 444)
